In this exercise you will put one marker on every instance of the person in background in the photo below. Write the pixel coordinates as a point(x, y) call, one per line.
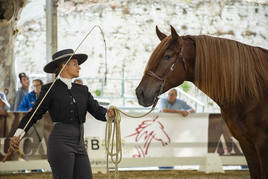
point(22, 91)
point(78, 81)
point(11, 105)
point(6, 91)
point(174, 105)
point(4, 104)
point(29, 99)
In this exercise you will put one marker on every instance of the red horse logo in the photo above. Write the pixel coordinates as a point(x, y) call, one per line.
point(147, 131)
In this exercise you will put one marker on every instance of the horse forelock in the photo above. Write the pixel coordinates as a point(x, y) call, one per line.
point(229, 71)
point(157, 54)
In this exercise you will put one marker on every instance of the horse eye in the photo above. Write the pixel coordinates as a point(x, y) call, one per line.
point(167, 57)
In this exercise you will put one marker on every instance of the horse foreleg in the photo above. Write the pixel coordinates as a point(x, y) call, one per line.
point(239, 129)
point(262, 148)
point(252, 159)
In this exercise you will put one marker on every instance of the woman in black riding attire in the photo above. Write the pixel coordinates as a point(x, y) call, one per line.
point(67, 104)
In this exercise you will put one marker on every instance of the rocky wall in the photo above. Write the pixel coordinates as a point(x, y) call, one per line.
point(129, 28)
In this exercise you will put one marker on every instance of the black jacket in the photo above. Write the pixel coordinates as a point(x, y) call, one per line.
point(62, 107)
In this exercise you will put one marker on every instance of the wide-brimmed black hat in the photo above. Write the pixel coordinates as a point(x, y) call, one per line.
point(62, 56)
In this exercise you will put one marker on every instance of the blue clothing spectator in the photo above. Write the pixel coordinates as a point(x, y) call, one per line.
point(19, 97)
point(174, 105)
point(24, 80)
point(27, 101)
point(177, 105)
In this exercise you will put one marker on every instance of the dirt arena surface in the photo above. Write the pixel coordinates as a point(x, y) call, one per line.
point(166, 174)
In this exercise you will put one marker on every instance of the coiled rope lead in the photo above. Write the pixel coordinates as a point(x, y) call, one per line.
point(113, 144)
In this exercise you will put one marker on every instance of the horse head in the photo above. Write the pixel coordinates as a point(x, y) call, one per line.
point(152, 130)
point(170, 64)
point(161, 134)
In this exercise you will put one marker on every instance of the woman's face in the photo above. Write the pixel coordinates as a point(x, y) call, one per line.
point(71, 70)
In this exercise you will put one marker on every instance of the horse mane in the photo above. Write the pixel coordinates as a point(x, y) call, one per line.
point(157, 53)
point(229, 71)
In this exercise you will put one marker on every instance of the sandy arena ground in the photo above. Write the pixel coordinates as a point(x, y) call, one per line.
point(167, 174)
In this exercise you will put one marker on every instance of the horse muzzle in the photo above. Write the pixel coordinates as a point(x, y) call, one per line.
point(145, 99)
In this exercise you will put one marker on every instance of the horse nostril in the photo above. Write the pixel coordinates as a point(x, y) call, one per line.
point(142, 94)
point(139, 93)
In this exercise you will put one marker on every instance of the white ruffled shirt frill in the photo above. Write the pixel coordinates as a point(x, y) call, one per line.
point(67, 81)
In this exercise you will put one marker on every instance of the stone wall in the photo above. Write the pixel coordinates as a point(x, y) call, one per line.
point(129, 28)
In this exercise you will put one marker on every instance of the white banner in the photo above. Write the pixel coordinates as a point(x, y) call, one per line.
point(156, 135)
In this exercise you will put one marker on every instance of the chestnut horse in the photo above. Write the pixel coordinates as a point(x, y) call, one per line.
point(233, 74)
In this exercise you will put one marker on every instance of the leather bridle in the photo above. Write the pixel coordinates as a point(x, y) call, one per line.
point(152, 74)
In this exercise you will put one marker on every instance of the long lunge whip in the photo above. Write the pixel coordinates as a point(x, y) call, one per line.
point(102, 33)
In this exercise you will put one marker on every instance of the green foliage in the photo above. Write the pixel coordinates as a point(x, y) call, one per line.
point(185, 86)
point(98, 92)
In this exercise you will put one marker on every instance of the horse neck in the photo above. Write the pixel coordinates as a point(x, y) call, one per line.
point(189, 50)
point(228, 71)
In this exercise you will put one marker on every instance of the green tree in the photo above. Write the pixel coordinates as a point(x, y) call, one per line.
point(186, 86)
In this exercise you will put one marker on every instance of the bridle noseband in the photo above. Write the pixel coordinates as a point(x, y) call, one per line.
point(152, 74)
point(155, 76)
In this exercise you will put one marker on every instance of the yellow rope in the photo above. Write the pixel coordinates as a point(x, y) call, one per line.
point(10, 152)
point(113, 145)
point(20, 153)
point(113, 148)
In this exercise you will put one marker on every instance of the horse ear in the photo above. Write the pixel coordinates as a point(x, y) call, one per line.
point(160, 35)
point(174, 33)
